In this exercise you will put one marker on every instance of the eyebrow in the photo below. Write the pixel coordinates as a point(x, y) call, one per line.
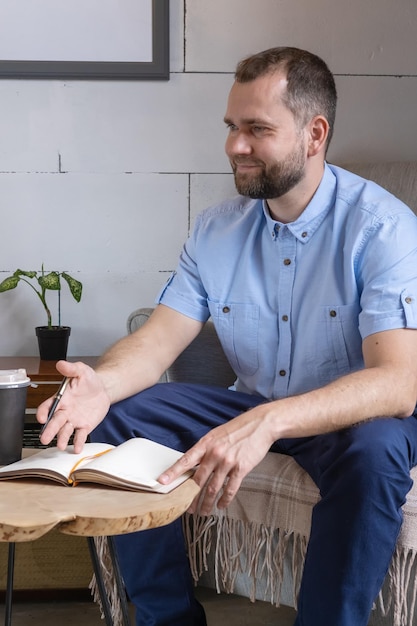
point(249, 121)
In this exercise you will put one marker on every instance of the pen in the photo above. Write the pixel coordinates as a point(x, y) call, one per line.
point(55, 403)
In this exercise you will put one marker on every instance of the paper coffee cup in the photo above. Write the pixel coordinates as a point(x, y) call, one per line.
point(13, 392)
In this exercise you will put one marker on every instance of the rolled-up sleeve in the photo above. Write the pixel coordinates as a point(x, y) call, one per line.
point(389, 275)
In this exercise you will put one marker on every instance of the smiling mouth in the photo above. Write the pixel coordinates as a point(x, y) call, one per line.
point(240, 166)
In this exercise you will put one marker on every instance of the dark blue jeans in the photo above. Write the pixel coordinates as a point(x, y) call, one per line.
point(363, 476)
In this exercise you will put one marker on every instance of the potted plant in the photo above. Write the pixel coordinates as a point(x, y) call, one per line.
point(52, 339)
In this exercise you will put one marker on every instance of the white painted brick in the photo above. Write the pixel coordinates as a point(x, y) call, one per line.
point(174, 126)
point(208, 189)
point(29, 126)
point(373, 37)
point(122, 233)
point(96, 322)
point(376, 119)
point(176, 35)
point(94, 222)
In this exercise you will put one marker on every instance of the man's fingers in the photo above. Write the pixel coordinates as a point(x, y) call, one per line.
point(213, 487)
point(209, 497)
point(221, 462)
point(64, 435)
point(230, 489)
point(188, 461)
point(54, 426)
point(80, 437)
point(70, 368)
point(84, 404)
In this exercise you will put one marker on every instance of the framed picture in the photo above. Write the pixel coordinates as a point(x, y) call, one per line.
point(85, 39)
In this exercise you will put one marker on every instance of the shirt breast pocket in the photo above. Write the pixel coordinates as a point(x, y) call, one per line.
point(237, 325)
point(337, 347)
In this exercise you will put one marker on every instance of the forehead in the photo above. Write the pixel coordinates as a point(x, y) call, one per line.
point(259, 98)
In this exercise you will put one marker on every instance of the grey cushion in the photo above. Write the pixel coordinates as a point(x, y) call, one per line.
point(399, 178)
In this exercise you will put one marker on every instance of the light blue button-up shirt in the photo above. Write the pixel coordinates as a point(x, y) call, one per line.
point(291, 303)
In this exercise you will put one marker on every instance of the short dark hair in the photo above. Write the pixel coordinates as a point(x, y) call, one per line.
point(311, 88)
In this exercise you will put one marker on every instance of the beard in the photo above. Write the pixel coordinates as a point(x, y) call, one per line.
point(272, 181)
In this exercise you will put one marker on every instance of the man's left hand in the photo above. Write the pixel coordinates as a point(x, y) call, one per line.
point(223, 457)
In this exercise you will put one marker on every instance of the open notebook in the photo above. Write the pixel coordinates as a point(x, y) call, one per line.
point(134, 465)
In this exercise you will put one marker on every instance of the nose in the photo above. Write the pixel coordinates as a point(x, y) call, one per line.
point(237, 143)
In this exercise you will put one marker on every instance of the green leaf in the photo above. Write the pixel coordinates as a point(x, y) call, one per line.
point(9, 283)
point(50, 281)
point(24, 273)
point(75, 286)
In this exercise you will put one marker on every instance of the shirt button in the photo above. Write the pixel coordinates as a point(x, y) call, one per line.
point(226, 309)
point(304, 234)
point(285, 318)
point(408, 300)
point(287, 261)
point(282, 372)
point(333, 313)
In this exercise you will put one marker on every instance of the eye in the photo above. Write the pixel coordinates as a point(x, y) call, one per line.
point(231, 127)
point(258, 130)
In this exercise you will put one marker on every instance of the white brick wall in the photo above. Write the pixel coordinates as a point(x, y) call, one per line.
point(103, 178)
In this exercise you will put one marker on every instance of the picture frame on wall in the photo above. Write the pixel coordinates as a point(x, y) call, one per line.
point(85, 39)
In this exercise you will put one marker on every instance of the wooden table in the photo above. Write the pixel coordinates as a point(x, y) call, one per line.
point(31, 508)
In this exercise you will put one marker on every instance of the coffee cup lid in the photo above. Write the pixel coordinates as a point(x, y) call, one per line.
point(14, 378)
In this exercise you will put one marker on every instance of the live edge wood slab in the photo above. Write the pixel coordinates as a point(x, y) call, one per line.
point(31, 508)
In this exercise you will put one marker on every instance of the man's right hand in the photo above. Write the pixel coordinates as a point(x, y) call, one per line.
point(83, 406)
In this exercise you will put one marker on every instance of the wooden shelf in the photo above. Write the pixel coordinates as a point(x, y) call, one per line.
point(42, 373)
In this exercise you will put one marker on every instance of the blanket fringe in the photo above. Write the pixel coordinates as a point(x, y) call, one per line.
point(259, 552)
point(238, 547)
point(398, 595)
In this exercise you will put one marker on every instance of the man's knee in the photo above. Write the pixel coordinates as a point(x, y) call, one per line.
point(368, 458)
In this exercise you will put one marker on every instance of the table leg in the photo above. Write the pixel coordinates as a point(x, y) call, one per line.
point(119, 582)
point(9, 585)
point(105, 604)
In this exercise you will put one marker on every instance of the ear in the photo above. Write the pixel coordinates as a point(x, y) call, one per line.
point(318, 130)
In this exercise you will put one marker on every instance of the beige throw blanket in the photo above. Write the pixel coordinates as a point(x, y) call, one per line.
point(267, 524)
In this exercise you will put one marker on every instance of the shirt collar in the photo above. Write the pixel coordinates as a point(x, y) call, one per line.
point(310, 219)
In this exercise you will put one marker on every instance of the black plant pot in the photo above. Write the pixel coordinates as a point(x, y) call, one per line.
point(53, 342)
